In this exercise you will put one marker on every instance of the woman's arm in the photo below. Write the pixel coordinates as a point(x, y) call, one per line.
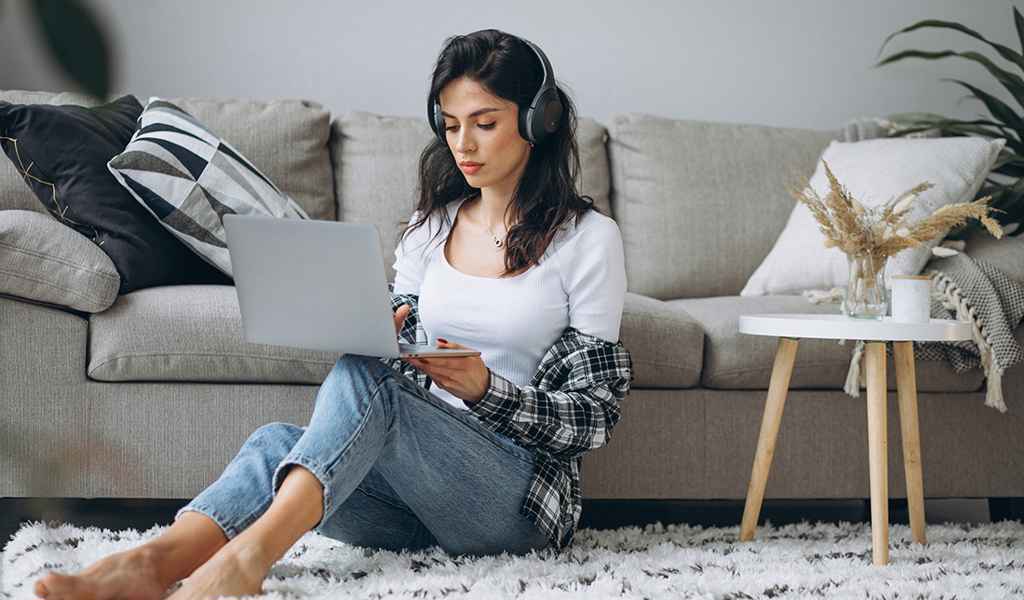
point(573, 403)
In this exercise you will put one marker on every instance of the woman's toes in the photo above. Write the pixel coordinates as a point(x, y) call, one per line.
point(56, 586)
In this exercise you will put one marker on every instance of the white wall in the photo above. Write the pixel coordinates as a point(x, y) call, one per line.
point(803, 63)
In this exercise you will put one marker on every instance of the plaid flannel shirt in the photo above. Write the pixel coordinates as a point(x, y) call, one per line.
point(569, 408)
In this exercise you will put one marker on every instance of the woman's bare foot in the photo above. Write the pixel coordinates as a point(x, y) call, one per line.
point(132, 575)
point(233, 571)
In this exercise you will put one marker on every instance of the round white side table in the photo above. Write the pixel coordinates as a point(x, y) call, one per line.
point(789, 328)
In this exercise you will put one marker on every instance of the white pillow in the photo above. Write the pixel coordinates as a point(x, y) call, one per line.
point(873, 171)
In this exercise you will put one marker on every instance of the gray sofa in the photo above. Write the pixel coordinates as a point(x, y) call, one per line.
point(151, 397)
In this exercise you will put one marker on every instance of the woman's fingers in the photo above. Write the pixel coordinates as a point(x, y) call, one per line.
point(439, 374)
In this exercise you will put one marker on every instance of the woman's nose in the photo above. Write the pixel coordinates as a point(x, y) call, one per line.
point(464, 141)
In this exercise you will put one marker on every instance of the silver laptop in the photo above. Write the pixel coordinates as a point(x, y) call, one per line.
point(317, 285)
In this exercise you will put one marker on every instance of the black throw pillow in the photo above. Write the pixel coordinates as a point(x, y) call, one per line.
point(62, 152)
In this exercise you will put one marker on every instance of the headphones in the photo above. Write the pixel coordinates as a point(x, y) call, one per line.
point(540, 118)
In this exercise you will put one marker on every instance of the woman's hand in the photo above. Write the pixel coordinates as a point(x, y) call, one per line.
point(465, 377)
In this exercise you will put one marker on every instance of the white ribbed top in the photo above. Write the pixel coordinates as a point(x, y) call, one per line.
point(513, 321)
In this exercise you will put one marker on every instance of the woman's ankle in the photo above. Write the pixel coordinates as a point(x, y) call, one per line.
point(190, 541)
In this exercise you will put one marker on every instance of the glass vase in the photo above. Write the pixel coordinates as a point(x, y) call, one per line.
point(865, 289)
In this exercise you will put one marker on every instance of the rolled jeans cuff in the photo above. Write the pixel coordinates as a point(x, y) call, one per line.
point(229, 527)
point(314, 467)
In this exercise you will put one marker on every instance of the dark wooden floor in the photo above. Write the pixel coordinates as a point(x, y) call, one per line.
point(141, 514)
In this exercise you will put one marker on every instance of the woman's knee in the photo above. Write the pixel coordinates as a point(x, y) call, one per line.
point(355, 377)
point(275, 437)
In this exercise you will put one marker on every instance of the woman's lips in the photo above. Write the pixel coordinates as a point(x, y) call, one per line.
point(470, 168)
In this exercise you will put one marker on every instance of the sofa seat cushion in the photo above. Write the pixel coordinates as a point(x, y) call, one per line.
point(666, 344)
point(739, 361)
point(190, 333)
point(194, 333)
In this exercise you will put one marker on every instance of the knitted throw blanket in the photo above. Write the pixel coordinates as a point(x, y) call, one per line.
point(967, 290)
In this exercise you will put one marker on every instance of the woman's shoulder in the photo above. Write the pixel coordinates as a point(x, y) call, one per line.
point(431, 234)
point(586, 231)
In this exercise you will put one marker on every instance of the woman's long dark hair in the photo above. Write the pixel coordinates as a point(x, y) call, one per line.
point(546, 195)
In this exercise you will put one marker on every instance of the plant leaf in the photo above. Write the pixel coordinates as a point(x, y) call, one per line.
point(916, 117)
point(957, 127)
point(995, 106)
point(1007, 53)
point(1009, 163)
point(1012, 82)
point(1018, 22)
point(76, 41)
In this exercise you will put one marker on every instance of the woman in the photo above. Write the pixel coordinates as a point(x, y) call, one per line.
point(479, 455)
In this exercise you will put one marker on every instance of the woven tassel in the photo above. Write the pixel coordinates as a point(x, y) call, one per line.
point(853, 376)
point(993, 379)
point(993, 374)
point(994, 391)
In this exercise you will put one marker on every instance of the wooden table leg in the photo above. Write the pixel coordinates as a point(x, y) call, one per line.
point(785, 354)
point(906, 386)
point(877, 451)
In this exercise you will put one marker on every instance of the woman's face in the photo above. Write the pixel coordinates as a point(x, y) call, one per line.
point(483, 135)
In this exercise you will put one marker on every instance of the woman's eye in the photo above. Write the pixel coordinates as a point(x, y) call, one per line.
point(485, 125)
point(451, 128)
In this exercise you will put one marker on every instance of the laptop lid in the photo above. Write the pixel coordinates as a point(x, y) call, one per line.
point(317, 285)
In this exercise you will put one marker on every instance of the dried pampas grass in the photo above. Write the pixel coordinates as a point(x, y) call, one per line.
point(881, 232)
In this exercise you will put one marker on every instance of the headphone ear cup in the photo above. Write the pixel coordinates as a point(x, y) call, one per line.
point(525, 114)
point(547, 116)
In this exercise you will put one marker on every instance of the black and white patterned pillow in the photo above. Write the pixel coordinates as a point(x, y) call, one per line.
point(189, 178)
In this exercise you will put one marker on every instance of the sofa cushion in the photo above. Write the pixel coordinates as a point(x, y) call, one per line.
point(65, 149)
point(285, 139)
point(194, 333)
point(376, 161)
point(666, 344)
point(739, 361)
point(190, 333)
point(701, 204)
point(876, 173)
point(189, 177)
point(43, 260)
point(14, 193)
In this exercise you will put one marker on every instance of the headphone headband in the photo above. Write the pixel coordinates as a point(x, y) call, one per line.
point(547, 81)
point(536, 120)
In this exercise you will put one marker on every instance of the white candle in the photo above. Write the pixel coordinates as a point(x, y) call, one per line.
point(911, 298)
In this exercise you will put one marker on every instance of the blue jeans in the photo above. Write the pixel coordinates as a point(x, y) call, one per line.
point(400, 469)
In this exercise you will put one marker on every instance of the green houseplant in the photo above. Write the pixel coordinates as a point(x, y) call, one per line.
point(1005, 184)
point(75, 40)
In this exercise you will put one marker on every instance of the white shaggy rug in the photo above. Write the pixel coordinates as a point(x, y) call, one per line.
point(794, 561)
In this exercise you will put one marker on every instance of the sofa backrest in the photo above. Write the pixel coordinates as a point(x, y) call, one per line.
point(701, 204)
point(376, 160)
point(286, 139)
